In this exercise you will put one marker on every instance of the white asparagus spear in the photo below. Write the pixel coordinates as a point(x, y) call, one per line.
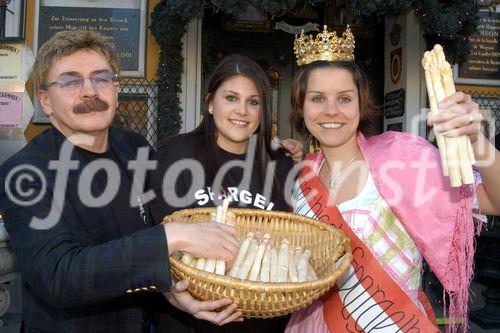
point(210, 265)
point(193, 262)
point(438, 54)
point(449, 87)
point(187, 258)
point(471, 153)
point(434, 110)
point(303, 265)
point(311, 274)
point(297, 254)
point(274, 265)
point(283, 261)
point(218, 212)
point(225, 206)
point(464, 159)
point(266, 265)
point(250, 257)
point(220, 265)
point(200, 264)
point(452, 160)
point(242, 252)
point(231, 219)
point(450, 143)
point(292, 269)
point(255, 270)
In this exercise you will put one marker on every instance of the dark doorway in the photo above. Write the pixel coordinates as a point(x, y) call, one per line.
point(259, 36)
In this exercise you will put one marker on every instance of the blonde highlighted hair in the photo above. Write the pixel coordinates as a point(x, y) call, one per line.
point(65, 43)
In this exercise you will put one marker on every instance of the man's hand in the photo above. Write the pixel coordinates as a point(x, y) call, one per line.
point(203, 240)
point(207, 310)
point(294, 148)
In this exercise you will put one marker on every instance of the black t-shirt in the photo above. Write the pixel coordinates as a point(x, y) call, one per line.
point(180, 173)
point(180, 180)
point(128, 218)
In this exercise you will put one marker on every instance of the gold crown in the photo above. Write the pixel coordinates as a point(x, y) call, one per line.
point(326, 46)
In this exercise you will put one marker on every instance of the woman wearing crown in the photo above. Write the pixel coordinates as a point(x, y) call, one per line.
point(387, 193)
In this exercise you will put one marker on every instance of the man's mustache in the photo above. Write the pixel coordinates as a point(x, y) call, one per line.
point(95, 104)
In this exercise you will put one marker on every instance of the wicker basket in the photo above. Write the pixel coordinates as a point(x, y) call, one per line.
point(266, 300)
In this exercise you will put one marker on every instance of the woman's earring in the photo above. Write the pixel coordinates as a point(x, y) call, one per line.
point(210, 110)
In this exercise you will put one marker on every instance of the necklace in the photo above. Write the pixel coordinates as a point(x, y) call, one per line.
point(333, 180)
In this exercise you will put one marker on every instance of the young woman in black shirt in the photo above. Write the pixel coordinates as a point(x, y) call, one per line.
point(229, 155)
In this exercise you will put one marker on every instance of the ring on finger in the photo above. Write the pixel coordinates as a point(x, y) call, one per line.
point(471, 119)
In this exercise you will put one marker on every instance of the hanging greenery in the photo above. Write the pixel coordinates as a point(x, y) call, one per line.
point(377, 8)
point(449, 23)
point(168, 25)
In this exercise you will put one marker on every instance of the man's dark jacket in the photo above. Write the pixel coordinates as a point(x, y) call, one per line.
point(80, 275)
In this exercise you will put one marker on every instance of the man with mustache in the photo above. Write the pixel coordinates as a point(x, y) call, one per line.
point(91, 258)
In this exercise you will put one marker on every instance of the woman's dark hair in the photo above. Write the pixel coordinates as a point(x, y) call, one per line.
point(367, 109)
point(231, 66)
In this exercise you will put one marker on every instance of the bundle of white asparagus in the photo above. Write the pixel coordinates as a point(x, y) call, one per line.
point(257, 260)
point(457, 156)
point(212, 265)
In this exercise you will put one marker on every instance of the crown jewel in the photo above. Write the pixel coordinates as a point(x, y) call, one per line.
point(326, 46)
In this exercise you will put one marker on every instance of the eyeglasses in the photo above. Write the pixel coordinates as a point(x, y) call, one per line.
point(70, 83)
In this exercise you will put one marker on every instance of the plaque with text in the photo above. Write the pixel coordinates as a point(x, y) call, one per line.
point(394, 103)
point(484, 60)
point(123, 21)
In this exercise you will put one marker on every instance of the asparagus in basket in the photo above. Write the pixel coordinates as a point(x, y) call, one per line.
point(242, 252)
point(265, 271)
point(257, 260)
point(212, 265)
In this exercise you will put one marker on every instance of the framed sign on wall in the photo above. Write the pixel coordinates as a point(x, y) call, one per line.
point(483, 65)
point(12, 20)
point(124, 21)
point(394, 104)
